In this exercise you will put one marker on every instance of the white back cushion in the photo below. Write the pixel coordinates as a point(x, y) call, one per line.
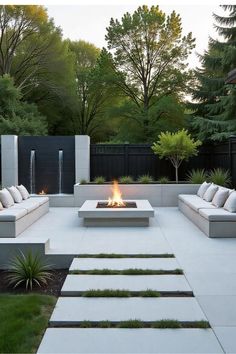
point(230, 204)
point(220, 197)
point(210, 192)
point(15, 194)
point(6, 198)
point(23, 191)
point(202, 189)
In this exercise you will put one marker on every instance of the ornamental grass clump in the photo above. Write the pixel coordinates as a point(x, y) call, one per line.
point(176, 147)
point(145, 179)
point(220, 177)
point(197, 176)
point(126, 179)
point(163, 180)
point(28, 270)
point(99, 180)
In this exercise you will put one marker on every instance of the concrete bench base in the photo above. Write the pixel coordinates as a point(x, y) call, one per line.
point(14, 228)
point(212, 229)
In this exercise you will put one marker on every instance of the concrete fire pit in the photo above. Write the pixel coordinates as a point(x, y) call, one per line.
point(135, 213)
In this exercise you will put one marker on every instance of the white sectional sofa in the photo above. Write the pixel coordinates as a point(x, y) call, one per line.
point(212, 220)
point(17, 218)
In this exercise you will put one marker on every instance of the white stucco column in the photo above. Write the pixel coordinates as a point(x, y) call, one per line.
point(82, 158)
point(9, 157)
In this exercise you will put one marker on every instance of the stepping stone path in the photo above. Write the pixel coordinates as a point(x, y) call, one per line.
point(176, 302)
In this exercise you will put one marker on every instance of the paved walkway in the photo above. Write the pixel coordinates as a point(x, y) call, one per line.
point(209, 266)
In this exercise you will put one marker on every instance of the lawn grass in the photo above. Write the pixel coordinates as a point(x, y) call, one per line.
point(23, 320)
point(118, 255)
point(130, 271)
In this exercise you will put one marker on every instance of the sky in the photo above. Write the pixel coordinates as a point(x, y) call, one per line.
point(89, 22)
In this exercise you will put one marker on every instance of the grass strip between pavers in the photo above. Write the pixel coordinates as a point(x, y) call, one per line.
point(129, 271)
point(129, 293)
point(118, 255)
point(135, 323)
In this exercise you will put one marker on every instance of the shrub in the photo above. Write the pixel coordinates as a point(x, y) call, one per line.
point(145, 179)
point(126, 179)
point(163, 180)
point(176, 147)
point(83, 181)
point(220, 177)
point(99, 180)
point(29, 270)
point(197, 176)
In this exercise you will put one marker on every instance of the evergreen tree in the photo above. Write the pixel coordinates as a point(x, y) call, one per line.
point(214, 116)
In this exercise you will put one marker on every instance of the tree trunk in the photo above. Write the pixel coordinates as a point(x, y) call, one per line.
point(176, 174)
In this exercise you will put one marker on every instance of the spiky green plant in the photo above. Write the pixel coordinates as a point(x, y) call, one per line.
point(163, 180)
point(99, 180)
point(28, 269)
point(126, 179)
point(145, 179)
point(83, 181)
point(197, 176)
point(220, 177)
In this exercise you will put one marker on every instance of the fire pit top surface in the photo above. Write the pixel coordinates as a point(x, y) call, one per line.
point(89, 209)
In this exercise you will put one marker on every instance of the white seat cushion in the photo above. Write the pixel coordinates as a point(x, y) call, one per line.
point(6, 198)
point(40, 200)
point(202, 189)
point(230, 204)
point(218, 214)
point(12, 214)
point(16, 195)
point(195, 202)
point(210, 192)
point(23, 191)
point(29, 204)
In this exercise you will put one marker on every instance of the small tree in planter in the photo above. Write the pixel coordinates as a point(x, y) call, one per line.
point(176, 147)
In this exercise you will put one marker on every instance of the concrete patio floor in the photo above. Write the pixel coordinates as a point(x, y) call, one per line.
point(209, 264)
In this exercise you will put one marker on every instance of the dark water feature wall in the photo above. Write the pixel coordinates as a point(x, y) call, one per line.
point(47, 163)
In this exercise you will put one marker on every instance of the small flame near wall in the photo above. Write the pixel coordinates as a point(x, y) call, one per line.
point(43, 192)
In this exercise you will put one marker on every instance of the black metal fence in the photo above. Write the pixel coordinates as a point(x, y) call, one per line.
point(113, 161)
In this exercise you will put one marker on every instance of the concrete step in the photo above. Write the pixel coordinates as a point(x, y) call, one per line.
point(129, 341)
point(76, 284)
point(124, 263)
point(73, 310)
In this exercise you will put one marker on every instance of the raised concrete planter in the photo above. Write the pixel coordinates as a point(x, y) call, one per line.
point(59, 200)
point(158, 195)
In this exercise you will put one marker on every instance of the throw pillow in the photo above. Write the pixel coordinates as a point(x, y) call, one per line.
point(210, 192)
point(15, 194)
point(220, 197)
point(230, 204)
point(202, 189)
point(23, 191)
point(6, 198)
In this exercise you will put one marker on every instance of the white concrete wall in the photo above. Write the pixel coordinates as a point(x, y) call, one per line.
point(159, 195)
point(9, 160)
point(82, 158)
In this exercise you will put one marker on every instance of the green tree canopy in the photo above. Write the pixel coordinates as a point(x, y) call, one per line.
point(149, 59)
point(214, 107)
point(17, 117)
point(176, 147)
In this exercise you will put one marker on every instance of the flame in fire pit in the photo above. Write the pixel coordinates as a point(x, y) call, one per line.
point(116, 199)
